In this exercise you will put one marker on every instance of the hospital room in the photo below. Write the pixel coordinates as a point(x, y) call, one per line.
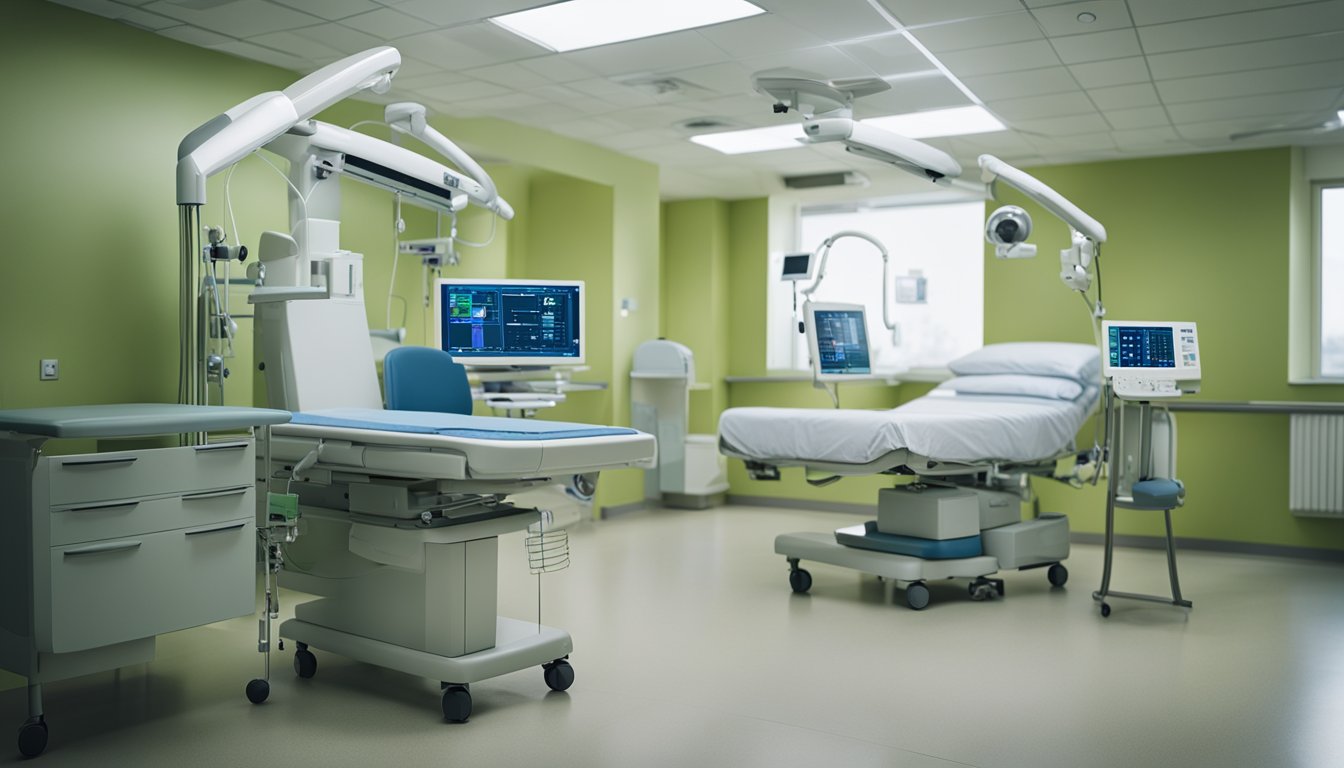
point(653, 383)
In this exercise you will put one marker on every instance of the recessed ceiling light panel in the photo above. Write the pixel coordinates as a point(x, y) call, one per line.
point(576, 24)
point(958, 121)
point(774, 137)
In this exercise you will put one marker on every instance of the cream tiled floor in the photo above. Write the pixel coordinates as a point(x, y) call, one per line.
point(691, 650)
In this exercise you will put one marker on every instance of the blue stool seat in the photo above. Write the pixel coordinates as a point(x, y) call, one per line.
point(1158, 493)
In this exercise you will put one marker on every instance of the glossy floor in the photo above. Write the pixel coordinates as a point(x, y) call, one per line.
point(691, 650)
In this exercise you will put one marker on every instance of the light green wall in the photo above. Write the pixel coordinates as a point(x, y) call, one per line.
point(1202, 238)
point(696, 298)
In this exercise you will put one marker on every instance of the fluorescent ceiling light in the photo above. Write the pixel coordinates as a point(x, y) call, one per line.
point(753, 139)
point(1340, 115)
point(939, 122)
point(578, 24)
point(916, 125)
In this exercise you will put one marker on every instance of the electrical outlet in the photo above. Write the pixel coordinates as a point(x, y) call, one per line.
point(50, 370)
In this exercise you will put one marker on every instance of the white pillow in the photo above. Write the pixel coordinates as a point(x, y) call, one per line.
point(1049, 387)
point(1080, 362)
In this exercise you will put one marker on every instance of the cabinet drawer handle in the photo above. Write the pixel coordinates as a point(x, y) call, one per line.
point(218, 447)
point(98, 462)
point(103, 507)
point(217, 494)
point(233, 527)
point(111, 546)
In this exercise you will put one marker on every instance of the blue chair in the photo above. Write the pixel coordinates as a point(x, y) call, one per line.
point(425, 379)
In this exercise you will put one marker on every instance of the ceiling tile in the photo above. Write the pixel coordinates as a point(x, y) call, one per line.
point(613, 92)
point(652, 54)
point(1233, 58)
point(1087, 142)
point(726, 78)
point(241, 18)
point(1216, 132)
point(196, 36)
point(1035, 54)
point(1063, 126)
point(1276, 80)
point(978, 33)
point(558, 68)
point(1141, 138)
point(887, 54)
point(436, 77)
point(913, 95)
point(344, 39)
point(1148, 12)
point(757, 35)
point(474, 45)
point(1124, 96)
point(857, 20)
point(298, 45)
point(105, 8)
point(331, 10)
point(826, 61)
point(265, 55)
point(915, 12)
point(385, 23)
point(1060, 20)
point(447, 14)
point(1142, 117)
point(1244, 27)
point(994, 143)
point(1014, 85)
point(1115, 44)
point(1253, 106)
point(1099, 74)
point(636, 139)
point(146, 20)
point(464, 91)
point(512, 100)
point(507, 74)
point(1038, 107)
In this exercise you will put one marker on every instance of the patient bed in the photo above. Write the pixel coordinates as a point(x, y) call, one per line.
point(1011, 413)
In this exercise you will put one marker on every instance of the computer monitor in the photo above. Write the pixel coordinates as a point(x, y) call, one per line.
point(837, 338)
point(1164, 350)
point(498, 323)
point(798, 266)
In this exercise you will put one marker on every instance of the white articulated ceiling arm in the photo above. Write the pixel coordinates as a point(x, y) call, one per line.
point(993, 169)
point(1087, 233)
point(824, 251)
point(252, 124)
point(409, 118)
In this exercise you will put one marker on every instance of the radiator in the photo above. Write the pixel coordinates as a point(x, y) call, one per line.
point(1316, 465)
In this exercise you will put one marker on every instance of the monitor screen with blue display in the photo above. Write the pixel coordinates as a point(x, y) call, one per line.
point(841, 338)
point(1141, 347)
point(510, 322)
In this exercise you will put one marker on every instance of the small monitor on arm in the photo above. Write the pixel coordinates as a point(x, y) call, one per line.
point(837, 339)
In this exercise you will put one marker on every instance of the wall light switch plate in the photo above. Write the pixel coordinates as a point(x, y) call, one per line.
point(50, 370)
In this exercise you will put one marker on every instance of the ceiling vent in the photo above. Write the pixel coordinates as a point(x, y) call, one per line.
point(835, 179)
point(663, 87)
point(706, 125)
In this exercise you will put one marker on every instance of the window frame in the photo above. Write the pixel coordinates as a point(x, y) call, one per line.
point(1316, 336)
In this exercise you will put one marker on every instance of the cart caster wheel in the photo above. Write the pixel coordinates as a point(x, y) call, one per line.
point(32, 737)
point(1105, 610)
point(917, 596)
point(559, 675)
point(1057, 575)
point(258, 690)
point(979, 590)
point(800, 580)
point(456, 704)
point(305, 663)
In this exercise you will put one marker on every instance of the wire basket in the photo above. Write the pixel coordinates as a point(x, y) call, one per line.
point(547, 551)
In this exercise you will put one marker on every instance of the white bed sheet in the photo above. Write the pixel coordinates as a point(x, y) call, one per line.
point(953, 428)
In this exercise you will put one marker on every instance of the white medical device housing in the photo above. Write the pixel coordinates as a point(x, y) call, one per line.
point(691, 473)
point(507, 323)
point(1151, 360)
point(798, 266)
point(837, 340)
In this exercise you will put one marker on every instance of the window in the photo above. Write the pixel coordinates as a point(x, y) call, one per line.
point(1329, 325)
point(943, 241)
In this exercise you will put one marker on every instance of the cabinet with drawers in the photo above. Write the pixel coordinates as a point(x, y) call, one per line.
point(101, 552)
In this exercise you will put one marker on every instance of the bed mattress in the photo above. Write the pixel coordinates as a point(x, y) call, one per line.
point(948, 427)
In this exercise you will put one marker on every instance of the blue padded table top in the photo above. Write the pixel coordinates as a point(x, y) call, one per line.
point(453, 424)
point(867, 536)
